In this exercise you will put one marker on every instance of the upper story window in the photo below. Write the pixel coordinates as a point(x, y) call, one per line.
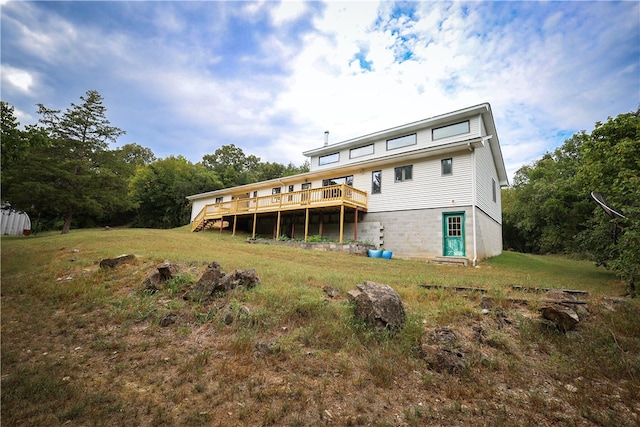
point(255, 194)
point(403, 141)
point(219, 199)
point(450, 130)
point(376, 182)
point(306, 185)
point(403, 173)
point(447, 166)
point(361, 151)
point(329, 158)
point(290, 188)
point(275, 190)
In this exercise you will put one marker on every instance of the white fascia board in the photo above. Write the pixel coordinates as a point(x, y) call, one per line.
point(494, 144)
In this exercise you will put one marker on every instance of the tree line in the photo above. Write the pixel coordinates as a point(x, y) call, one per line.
point(549, 207)
point(63, 173)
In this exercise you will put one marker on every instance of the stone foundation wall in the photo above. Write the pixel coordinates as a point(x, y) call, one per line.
point(350, 248)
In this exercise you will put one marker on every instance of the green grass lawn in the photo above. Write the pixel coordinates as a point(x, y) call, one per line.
point(84, 346)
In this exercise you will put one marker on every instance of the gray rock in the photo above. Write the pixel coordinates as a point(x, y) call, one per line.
point(157, 280)
point(114, 262)
point(443, 359)
point(330, 291)
point(168, 320)
point(563, 317)
point(214, 281)
point(378, 305)
point(486, 302)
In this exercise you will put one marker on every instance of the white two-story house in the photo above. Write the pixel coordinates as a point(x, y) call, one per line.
point(426, 189)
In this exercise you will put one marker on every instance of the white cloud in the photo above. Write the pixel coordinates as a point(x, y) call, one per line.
point(546, 69)
point(287, 11)
point(21, 80)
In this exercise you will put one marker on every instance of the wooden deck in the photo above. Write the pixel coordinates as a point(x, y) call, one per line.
point(333, 196)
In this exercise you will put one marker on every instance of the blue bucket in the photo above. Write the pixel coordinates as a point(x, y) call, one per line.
point(387, 254)
point(374, 253)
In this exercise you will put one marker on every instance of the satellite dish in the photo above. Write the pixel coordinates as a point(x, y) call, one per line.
point(599, 198)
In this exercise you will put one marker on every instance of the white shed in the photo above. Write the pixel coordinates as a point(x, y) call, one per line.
point(14, 223)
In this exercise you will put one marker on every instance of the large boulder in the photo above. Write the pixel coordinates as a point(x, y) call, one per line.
point(214, 281)
point(378, 305)
point(560, 309)
point(565, 318)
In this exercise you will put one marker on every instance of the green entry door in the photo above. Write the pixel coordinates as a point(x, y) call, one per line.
point(453, 234)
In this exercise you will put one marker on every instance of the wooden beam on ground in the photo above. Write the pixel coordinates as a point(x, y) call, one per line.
point(528, 289)
point(514, 300)
point(455, 288)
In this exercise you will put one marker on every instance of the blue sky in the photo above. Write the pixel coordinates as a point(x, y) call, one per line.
point(184, 78)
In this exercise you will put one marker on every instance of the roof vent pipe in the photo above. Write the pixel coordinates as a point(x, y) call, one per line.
point(326, 138)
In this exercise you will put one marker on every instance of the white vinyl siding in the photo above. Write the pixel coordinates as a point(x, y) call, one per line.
point(427, 189)
point(485, 176)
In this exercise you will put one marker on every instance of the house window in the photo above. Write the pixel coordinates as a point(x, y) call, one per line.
point(329, 158)
point(403, 141)
point(306, 185)
point(219, 200)
point(403, 173)
point(255, 194)
point(450, 130)
point(290, 188)
point(493, 190)
point(275, 190)
point(337, 181)
point(376, 182)
point(361, 151)
point(447, 166)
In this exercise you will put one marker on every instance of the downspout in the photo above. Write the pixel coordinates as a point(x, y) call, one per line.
point(473, 204)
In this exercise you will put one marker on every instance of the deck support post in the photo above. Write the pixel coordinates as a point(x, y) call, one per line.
point(221, 222)
point(306, 225)
point(341, 222)
point(235, 219)
point(320, 231)
point(255, 220)
point(293, 226)
point(355, 225)
point(278, 226)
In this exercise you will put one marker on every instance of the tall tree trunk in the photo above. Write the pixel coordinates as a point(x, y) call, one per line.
point(67, 221)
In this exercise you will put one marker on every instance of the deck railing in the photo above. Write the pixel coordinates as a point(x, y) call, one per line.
point(335, 195)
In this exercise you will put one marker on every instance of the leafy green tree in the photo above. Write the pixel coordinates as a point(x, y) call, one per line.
point(561, 206)
point(232, 165)
point(74, 173)
point(16, 143)
point(235, 168)
point(611, 165)
point(159, 191)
